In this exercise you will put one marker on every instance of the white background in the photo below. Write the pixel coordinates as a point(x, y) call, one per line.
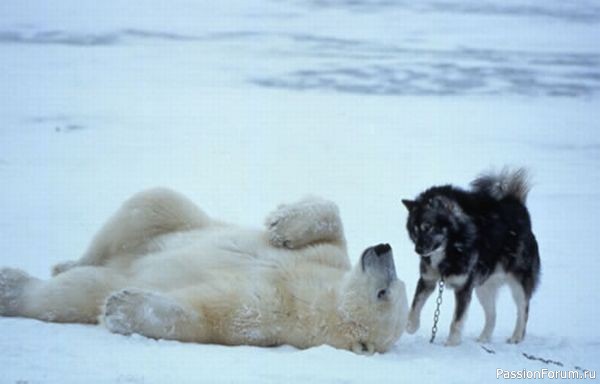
point(243, 105)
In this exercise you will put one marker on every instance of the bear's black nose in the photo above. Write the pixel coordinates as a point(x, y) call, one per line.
point(382, 249)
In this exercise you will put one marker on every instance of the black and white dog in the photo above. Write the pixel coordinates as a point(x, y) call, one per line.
point(477, 239)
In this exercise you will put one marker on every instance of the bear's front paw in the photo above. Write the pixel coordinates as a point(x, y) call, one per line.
point(307, 221)
point(12, 284)
point(279, 226)
point(122, 311)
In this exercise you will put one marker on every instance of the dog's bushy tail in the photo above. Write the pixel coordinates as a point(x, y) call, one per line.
point(504, 183)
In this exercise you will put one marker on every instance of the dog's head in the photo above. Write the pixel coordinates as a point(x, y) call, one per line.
point(431, 221)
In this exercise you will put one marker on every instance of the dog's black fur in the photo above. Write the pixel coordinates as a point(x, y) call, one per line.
point(464, 237)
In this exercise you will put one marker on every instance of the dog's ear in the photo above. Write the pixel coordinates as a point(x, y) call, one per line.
point(449, 205)
point(442, 202)
point(409, 204)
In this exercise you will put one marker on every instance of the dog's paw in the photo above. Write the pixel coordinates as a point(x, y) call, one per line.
point(514, 339)
point(483, 339)
point(453, 340)
point(413, 325)
point(12, 284)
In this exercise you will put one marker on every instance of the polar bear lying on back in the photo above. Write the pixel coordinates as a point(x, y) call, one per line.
point(162, 268)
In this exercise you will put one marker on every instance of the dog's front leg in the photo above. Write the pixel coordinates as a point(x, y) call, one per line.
point(462, 298)
point(424, 289)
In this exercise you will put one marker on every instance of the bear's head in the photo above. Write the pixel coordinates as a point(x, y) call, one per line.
point(373, 305)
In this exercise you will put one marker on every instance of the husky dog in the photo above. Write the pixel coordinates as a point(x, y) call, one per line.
point(478, 239)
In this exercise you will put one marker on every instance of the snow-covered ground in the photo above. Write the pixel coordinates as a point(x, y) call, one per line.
point(243, 104)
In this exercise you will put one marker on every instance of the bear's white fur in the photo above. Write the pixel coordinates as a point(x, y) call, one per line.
point(162, 268)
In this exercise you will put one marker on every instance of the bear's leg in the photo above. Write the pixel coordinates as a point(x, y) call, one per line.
point(131, 230)
point(308, 221)
point(75, 296)
point(150, 314)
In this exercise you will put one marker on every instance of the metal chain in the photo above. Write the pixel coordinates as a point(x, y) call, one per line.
point(436, 314)
point(545, 361)
point(540, 359)
point(434, 329)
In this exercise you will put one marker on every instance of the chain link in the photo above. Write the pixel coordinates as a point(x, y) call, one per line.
point(436, 314)
point(540, 359)
point(434, 329)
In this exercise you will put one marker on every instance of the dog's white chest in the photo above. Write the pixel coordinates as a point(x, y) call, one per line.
point(456, 281)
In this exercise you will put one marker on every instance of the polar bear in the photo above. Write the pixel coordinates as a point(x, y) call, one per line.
point(162, 268)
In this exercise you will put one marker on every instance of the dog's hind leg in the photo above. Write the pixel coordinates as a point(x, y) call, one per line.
point(131, 230)
point(487, 294)
point(522, 302)
point(308, 221)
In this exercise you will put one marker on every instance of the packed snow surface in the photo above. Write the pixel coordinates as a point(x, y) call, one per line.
point(243, 105)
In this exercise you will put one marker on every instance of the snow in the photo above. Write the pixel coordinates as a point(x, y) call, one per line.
point(243, 105)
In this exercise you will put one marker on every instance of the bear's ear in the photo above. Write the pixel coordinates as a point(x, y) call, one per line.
point(409, 204)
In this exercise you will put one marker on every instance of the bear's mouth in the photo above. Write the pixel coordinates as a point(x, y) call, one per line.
point(379, 260)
